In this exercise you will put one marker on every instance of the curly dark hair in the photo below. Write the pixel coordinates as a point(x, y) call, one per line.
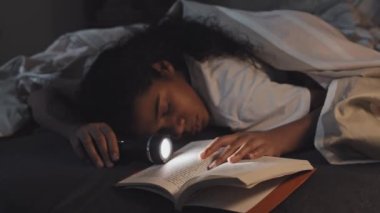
point(122, 73)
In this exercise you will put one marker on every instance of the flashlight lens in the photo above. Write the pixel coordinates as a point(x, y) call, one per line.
point(165, 148)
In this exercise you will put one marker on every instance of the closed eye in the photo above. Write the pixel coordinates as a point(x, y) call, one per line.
point(166, 109)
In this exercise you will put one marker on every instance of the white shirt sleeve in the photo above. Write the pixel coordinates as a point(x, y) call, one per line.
point(242, 96)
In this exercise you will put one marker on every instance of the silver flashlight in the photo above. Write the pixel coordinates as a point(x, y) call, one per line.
point(157, 149)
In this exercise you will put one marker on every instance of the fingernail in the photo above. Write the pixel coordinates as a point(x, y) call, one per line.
point(115, 157)
point(109, 164)
point(100, 164)
point(202, 155)
point(212, 165)
point(230, 160)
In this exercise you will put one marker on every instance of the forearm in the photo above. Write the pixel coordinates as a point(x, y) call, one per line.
point(297, 134)
point(51, 111)
point(300, 133)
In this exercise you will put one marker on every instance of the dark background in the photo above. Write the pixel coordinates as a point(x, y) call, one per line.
point(28, 27)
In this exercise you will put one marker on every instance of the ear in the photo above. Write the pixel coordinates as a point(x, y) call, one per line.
point(164, 68)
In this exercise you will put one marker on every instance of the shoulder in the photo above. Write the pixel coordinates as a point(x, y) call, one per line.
point(224, 83)
point(223, 63)
point(223, 73)
point(221, 67)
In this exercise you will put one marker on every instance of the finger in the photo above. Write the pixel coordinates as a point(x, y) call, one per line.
point(240, 153)
point(91, 151)
point(111, 139)
point(216, 144)
point(101, 145)
point(228, 151)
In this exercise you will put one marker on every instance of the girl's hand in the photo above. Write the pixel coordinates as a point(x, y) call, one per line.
point(99, 141)
point(274, 142)
point(241, 145)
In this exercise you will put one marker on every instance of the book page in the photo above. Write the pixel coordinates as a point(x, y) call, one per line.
point(185, 165)
point(187, 173)
point(244, 174)
point(252, 172)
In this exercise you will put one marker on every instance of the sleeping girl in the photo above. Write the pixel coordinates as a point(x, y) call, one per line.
point(180, 77)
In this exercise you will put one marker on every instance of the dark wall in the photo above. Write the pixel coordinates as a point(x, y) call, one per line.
point(27, 27)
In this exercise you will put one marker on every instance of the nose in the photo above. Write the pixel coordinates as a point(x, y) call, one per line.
point(176, 126)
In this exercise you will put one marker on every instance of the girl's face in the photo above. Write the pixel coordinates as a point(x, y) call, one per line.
point(171, 106)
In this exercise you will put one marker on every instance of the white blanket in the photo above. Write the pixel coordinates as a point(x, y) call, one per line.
point(348, 126)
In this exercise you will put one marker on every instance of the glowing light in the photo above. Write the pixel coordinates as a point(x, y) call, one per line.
point(165, 148)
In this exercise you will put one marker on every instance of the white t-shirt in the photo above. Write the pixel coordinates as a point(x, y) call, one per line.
point(243, 97)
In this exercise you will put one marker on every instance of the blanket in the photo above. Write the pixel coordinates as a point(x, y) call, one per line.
point(297, 41)
point(68, 57)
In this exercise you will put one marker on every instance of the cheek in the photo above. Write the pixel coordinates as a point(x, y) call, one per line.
point(185, 101)
point(189, 101)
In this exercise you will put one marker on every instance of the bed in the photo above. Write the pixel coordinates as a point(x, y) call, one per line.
point(40, 173)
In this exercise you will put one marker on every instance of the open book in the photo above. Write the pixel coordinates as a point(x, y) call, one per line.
point(186, 181)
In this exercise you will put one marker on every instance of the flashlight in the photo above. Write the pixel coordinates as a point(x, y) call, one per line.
point(157, 149)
